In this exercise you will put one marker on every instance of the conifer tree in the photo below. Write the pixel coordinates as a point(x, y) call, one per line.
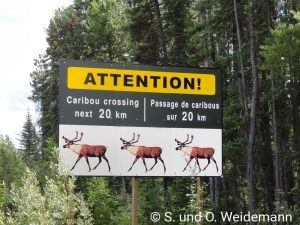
point(29, 140)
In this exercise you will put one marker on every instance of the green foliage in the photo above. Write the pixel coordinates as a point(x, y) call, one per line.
point(44, 94)
point(178, 197)
point(64, 35)
point(280, 53)
point(24, 201)
point(11, 164)
point(177, 22)
point(151, 198)
point(105, 39)
point(145, 32)
point(49, 156)
point(55, 205)
point(100, 196)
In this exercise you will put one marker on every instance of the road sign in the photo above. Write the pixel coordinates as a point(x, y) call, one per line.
point(141, 109)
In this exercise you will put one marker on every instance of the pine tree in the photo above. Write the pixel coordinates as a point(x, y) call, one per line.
point(29, 140)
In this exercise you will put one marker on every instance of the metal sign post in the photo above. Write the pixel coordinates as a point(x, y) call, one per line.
point(134, 200)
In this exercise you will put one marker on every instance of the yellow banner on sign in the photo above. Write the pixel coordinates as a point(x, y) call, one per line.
point(107, 79)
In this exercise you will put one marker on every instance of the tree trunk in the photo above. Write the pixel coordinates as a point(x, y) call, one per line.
point(161, 45)
point(295, 104)
point(236, 195)
point(275, 137)
point(278, 152)
point(214, 190)
point(243, 94)
point(252, 118)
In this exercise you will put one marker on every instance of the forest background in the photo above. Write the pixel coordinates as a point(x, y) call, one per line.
point(255, 43)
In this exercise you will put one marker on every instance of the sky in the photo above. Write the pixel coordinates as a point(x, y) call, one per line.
point(22, 39)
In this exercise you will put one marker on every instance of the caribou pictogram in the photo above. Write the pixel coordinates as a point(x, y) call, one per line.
point(196, 153)
point(142, 152)
point(86, 151)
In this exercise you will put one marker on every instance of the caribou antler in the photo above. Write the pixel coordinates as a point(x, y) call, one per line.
point(190, 140)
point(66, 139)
point(132, 141)
point(186, 141)
point(74, 139)
point(78, 139)
point(138, 137)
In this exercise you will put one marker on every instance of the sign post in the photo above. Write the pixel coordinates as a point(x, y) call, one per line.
point(134, 200)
